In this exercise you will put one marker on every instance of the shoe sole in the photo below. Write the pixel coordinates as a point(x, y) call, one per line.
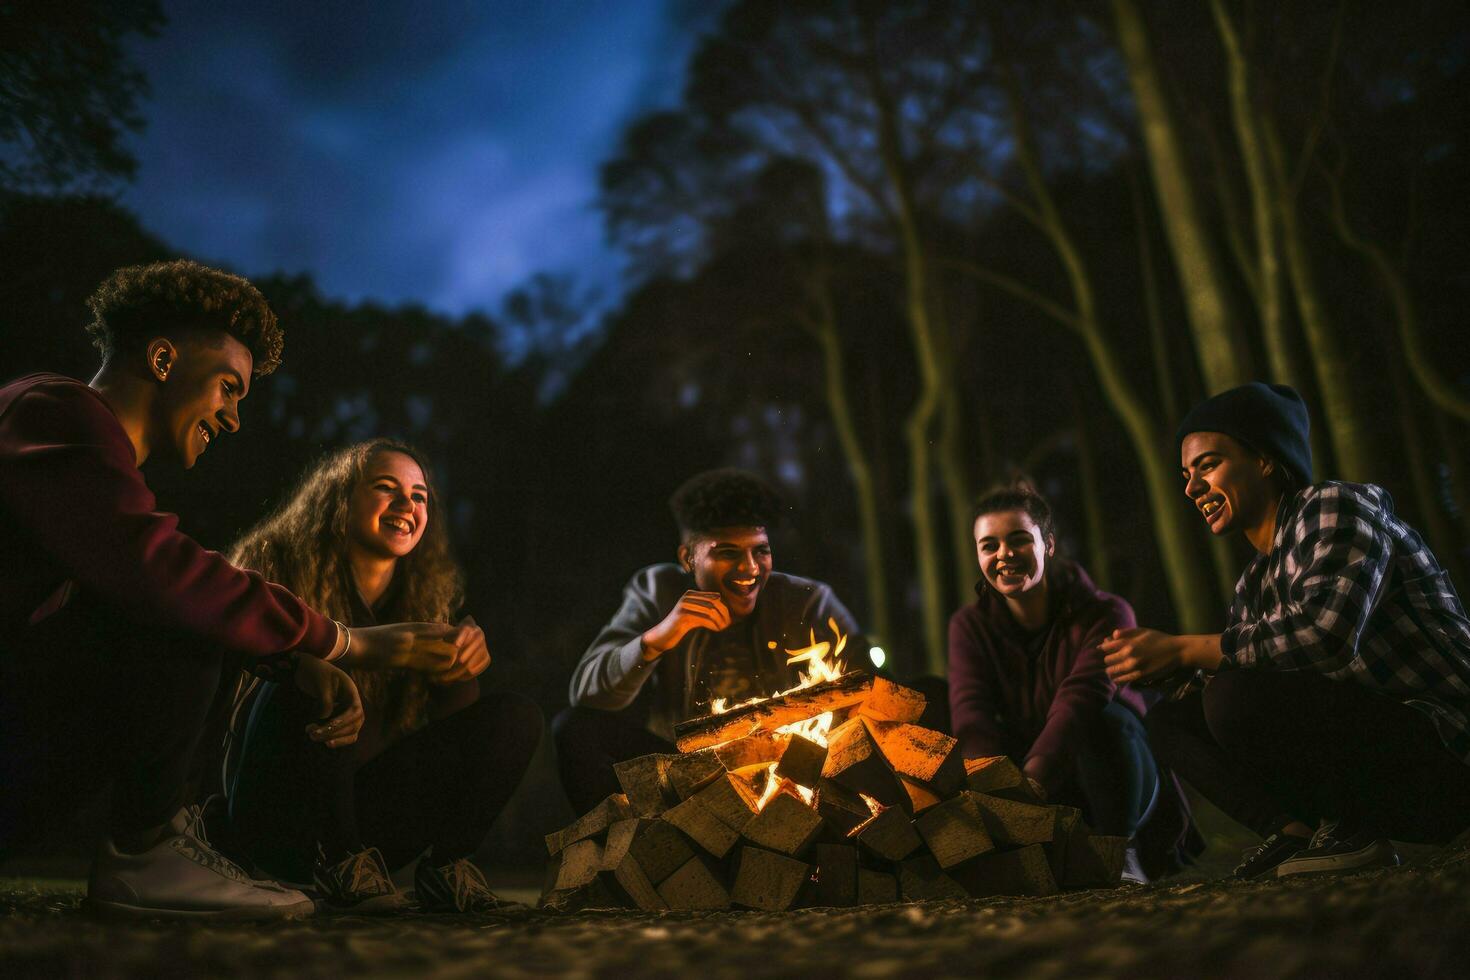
point(254, 913)
point(381, 905)
point(1379, 854)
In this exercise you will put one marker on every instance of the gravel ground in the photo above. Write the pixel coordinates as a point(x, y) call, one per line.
point(1409, 921)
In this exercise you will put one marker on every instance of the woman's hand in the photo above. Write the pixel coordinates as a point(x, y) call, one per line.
point(428, 648)
point(338, 704)
point(1141, 655)
point(472, 656)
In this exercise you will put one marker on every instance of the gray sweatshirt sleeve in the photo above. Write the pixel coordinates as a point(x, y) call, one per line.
point(613, 671)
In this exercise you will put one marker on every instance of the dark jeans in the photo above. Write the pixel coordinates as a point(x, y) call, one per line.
point(1115, 774)
point(91, 699)
point(589, 742)
point(439, 788)
point(1271, 747)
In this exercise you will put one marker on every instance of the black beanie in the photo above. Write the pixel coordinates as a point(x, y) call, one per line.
point(1270, 419)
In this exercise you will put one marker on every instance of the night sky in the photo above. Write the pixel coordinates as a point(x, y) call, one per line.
point(429, 152)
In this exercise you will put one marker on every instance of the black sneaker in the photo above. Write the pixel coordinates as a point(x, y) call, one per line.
point(1336, 848)
point(458, 886)
point(1262, 860)
point(360, 883)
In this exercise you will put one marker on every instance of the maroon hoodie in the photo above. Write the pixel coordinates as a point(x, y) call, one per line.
point(1032, 696)
point(79, 514)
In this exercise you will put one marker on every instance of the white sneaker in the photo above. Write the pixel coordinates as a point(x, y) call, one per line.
point(1132, 867)
point(183, 877)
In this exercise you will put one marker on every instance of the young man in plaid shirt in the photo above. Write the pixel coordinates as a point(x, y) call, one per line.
point(1338, 697)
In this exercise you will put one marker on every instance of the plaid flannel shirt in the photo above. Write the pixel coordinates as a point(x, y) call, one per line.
point(1351, 591)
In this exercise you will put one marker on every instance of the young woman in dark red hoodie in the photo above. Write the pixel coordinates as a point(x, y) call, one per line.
point(1027, 680)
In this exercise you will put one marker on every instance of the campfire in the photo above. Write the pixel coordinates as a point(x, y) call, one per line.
point(826, 794)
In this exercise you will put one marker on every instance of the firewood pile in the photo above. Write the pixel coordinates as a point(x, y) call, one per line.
point(747, 815)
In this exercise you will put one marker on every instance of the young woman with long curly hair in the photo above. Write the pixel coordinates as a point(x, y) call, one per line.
point(363, 539)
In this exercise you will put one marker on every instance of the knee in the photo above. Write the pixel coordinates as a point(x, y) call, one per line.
point(1233, 705)
point(1162, 726)
point(578, 731)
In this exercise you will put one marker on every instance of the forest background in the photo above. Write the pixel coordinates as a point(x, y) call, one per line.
point(886, 254)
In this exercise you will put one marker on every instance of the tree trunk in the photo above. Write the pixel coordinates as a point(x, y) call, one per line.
point(1098, 562)
point(1225, 358)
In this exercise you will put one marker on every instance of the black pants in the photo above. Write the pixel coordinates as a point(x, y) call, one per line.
point(90, 699)
point(439, 788)
point(589, 742)
point(1272, 747)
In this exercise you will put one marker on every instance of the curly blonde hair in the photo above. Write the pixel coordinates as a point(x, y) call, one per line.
point(140, 302)
point(303, 546)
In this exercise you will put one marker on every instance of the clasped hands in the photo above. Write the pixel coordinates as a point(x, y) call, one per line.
point(1140, 655)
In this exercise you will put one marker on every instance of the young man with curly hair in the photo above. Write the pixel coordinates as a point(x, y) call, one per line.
point(104, 602)
point(714, 624)
point(1336, 712)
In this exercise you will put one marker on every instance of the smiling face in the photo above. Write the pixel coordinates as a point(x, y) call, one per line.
point(201, 381)
point(1012, 551)
point(733, 561)
point(1232, 486)
point(389, 508)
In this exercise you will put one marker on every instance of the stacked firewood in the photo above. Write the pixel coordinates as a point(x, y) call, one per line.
point(891, 812)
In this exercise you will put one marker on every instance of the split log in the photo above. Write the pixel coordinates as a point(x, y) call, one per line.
point(592, 823)
point(854, 761)
point(921, 798)
point(771, 713)
point(1097, 863)
point(766, 880)
point(645, 781)
point(921, 754)
point(694, 886)
point(731, 799)
point(1013, 824)
point(574, 865)
point(840, 807)
point(761, 749)
point(888, 701)
point(660, 850)
point(692, 772)
point(1020, 872)
point(1070, 833)
point(920, 879)
point(635, 884)
point(711, 833)
point(592, 895)
point(837, 871)
point(997, 775)
point(802, 760)
point(889, 834)
point(786, 825)
point(955, 831)
point(620, 837)
point(876, 887)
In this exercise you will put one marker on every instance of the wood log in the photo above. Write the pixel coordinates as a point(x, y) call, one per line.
point(1024, 871)
point(694, 886)
point(955, 831)
point(840, 807)
point(634, 882)
point(921, 754)
point(1014, 824)
point(920, 879)
point(854, 761)
point(645, 781)
point(801, 761)
point(1096, 863)
point(766, 880)
point(837, 870)
point(592, 823)
point(770, 714)
point(575, 865)
point(592, 895)
point(876, 887)
point(620, 837)
point(889, 834)
point(997, 775)
point(921, 798)
point(706, 830)
point(660, 849)
point(731, 799)
point(759, 749)
point(888, 701)
point(1069, 821)
point(693, 771)
point(786, 825)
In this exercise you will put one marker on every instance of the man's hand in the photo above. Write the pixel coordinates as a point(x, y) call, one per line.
point(1141, 655)
point(694, 610)
point(339, 707)
point(429, 648)
point(472, 656)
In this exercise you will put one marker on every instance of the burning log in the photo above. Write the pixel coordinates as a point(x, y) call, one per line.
point(841, 807)
point(772, 713)
point(955, 831)
point(594, 822)
point(855, 762)
point(921, 879)
point(888, 701)
point(920, 754)
point(889, 834)
point(801, 761)
point(752, 750)
point(645, 781)
point(837, 874)
point(921, 798)
point(1014, 824)
point(786, 825)
point(766, 880)
point(694, 886)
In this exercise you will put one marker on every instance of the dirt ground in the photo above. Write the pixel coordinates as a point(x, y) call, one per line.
point(1409, 921)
